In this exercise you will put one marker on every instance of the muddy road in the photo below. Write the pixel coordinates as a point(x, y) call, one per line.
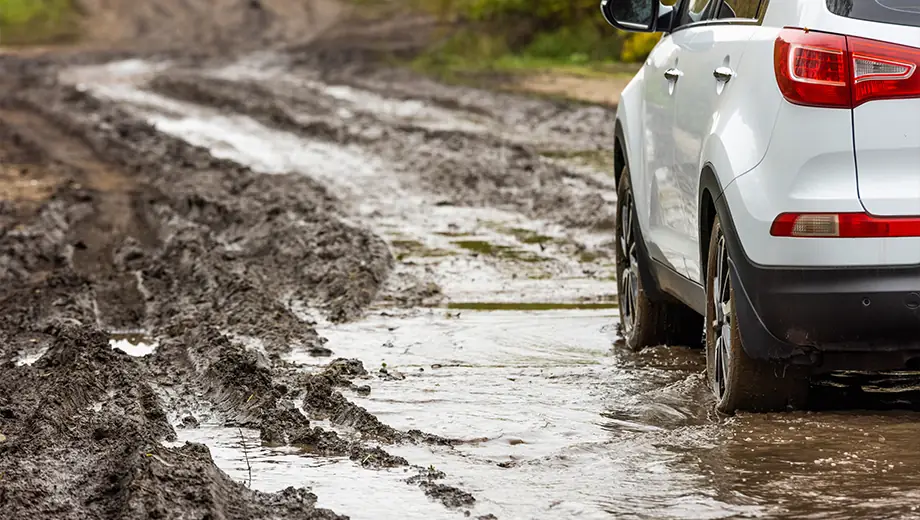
point(296, 284)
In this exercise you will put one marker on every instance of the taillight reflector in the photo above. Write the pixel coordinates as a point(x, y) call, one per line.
point(835, 71)
point(843, 225)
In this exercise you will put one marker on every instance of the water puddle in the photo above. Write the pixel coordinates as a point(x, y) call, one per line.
point(136, 344)
point(28, 357)
point(554, 422)
point(339, 483)
point(353, 100)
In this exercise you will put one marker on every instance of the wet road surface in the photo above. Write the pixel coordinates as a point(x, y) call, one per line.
point(494, 328)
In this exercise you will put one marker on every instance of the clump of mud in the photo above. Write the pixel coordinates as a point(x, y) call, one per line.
point(81, 438)
point(452, 497)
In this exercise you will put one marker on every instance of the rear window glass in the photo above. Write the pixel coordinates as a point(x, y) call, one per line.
point(900, 12)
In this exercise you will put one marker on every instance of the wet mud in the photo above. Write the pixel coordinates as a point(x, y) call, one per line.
point(302, 283)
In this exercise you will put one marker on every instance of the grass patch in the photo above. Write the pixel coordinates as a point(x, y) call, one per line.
point(515, 306)
point(28, 22)
point(471, 53)
point(414, 249)
point(525, 236)
point(505, 252)
point(528, 236)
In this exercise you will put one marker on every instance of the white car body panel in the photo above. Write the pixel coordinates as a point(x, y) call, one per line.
point(768, 155)
point(701, 101)
point(887, 135)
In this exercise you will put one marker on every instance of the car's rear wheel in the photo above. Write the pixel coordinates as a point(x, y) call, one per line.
point(739, 381)
point(645, 322)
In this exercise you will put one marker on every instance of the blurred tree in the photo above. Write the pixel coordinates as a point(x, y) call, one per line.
point(568, 30)
point(638, 46)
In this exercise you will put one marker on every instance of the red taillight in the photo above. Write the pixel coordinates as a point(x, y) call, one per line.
point(883, 70)
point(812, 68)
point(830, 70)
point(843, 225)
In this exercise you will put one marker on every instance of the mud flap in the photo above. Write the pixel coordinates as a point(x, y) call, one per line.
point(757, 340)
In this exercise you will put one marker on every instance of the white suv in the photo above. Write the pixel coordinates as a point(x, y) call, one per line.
point(768, 165)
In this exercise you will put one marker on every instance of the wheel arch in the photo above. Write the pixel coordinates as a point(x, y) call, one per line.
point(710, 194)
point(619, 152)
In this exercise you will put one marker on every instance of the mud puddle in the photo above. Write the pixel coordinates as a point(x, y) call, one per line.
point(136, 343)
point(553, 424)
point(342, 484)
point(552, 421)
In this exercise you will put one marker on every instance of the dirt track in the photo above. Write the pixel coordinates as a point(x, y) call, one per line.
point(241, 257)
point(112, 229)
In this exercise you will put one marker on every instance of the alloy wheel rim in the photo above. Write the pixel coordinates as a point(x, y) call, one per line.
point(628, 274)
point(722, 322)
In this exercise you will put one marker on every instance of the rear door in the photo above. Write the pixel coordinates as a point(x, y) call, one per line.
point(884, 39)
point(710, 50)
point(661, 78)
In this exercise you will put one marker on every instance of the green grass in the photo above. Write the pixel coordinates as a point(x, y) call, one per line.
point(583, 50)
point(513, 306)
point(25, 22)
point(600, 69)
point(406, 249)
point(483, 247)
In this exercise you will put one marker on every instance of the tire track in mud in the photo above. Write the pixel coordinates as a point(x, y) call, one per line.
point(184, 260)
point(518, 255)
point(460, 164)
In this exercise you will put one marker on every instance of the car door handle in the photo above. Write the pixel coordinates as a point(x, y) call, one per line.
point(723, 74)
point(673, 74)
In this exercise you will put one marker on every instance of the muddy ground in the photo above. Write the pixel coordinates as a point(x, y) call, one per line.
point(268, 265)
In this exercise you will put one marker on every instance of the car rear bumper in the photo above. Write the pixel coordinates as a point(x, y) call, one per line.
point(826, 316)
point(757, 198)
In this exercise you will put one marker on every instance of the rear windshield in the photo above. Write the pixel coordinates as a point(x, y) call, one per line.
point(900, 12)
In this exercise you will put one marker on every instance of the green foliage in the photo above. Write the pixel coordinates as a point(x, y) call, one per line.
point(36, 21)
point(576, 43)
point(638, 46)
point(517, 34)
point(558, 12)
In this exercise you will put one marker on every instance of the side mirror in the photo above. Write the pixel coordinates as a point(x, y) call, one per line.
point(633, 15)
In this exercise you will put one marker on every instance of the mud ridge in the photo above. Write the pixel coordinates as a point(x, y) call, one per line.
point(81, 439)
point(465, 168)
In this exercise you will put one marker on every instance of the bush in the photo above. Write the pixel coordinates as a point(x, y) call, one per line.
point(526, 34)
point(638, 46)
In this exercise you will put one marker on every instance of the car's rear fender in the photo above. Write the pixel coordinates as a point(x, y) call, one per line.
point(744, 125)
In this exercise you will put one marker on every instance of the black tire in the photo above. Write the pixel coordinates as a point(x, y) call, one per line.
point(645, 322)
point(739, 382)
